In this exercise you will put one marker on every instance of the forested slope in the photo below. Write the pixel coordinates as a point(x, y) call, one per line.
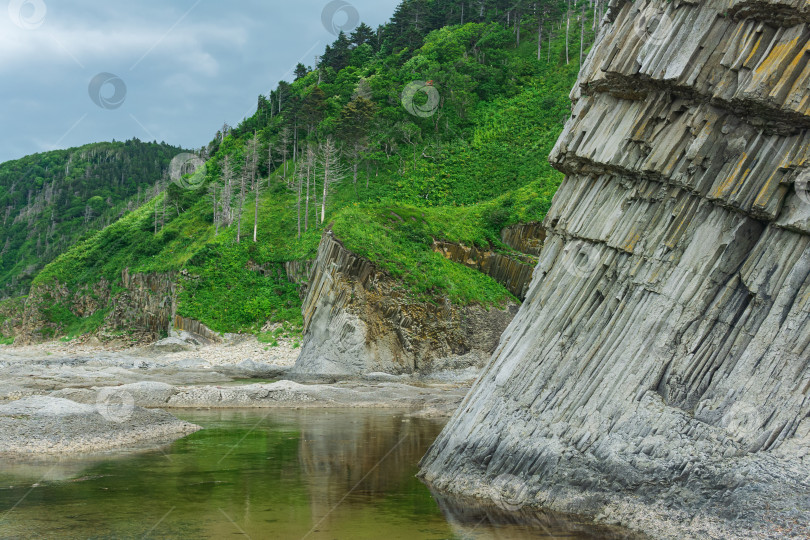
point(414, 132)
point(50, 200)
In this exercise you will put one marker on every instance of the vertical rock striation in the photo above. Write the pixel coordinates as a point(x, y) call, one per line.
point(513, 271)
point(358, 319)
point(658, 373)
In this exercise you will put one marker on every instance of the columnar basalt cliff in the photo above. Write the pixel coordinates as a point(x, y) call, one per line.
point(657, 374)
point(357, 319)
point(145, 304)
point(513, 271)
point(526, 238)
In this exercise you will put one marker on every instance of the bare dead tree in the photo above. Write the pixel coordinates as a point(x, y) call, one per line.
point(300, 177)
point(285, 148)
point(310, 167)
point(227, 191)
point(269, 162)
point(330, 169)
point(582, 36)
point(567, 28)
point(243, 181)
point(254, 169)
point(212, 192)
point(540, 20)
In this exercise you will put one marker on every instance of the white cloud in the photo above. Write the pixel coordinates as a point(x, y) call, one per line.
point(197, 63)
point(53, 43)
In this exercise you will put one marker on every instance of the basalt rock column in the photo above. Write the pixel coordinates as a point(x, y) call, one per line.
point(358, 319)
point(657, 373)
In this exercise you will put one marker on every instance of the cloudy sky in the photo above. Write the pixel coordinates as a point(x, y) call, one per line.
point(160, 70)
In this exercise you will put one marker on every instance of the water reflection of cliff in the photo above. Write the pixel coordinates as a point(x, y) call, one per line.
point(470, 518)
point(351, 458)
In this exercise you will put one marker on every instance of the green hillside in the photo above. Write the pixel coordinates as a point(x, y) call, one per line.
point(50, 200)
point(457, 155)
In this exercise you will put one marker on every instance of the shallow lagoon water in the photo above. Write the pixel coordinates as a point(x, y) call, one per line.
point(320, 474)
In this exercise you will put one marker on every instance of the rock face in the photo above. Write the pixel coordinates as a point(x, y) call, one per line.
point(358, 320)
point(11, 316)
point(513, 272)
point(657, 374)
point(145, 304)
point(525, 237)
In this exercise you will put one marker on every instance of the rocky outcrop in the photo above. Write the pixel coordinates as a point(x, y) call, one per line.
point(357, 319)
point(526, 238)
point(657, 374)
point(513, 271)
point(299, 272)
point(144, 304)
point(149, 302)
point(11, 316)
point(197, 330)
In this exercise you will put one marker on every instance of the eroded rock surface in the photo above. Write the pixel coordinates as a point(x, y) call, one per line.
point(657, 374)
point(358, 320)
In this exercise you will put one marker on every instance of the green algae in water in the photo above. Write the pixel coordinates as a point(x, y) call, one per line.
point(321, 474)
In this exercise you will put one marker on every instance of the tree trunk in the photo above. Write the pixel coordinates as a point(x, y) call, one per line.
point(314, 195)
point(582, 37)
point(241, 205)
point(306, 208)
point(298, 206)
point(269, 162)
point(539, 38)
point(156, 212)
point(216, 221)
point(567, 28)
point(256, 215)
point(325, 188)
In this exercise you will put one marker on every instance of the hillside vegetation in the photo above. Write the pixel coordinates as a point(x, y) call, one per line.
point(50, 200)
point(398, 137)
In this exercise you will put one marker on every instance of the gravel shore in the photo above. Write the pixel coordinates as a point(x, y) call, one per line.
point(61, 398)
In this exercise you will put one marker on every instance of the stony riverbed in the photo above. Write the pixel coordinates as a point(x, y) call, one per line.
point(60, 398)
